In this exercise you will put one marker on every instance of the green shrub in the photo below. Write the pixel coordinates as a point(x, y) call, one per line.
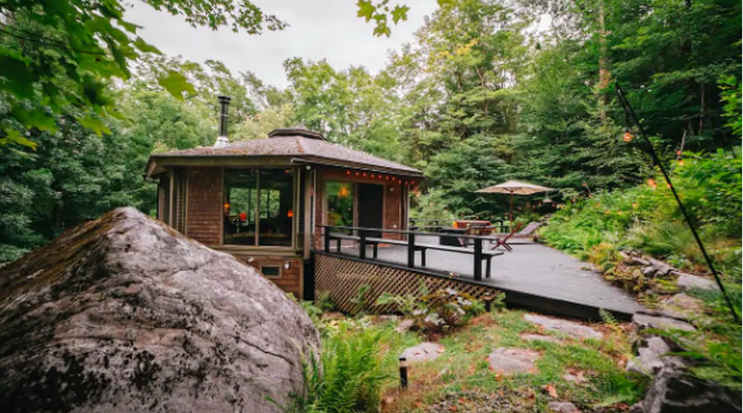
point(440, 312)
point(348, 377)
point(647, 219)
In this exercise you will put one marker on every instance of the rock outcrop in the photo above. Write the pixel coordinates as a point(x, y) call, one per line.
point(123, 314)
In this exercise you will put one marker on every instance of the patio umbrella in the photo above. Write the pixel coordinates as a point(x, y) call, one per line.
point(514, 187)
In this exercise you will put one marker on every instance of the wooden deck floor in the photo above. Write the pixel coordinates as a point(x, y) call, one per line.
point(532, 273)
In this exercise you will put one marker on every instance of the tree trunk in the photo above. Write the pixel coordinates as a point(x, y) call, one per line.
point(604, 75)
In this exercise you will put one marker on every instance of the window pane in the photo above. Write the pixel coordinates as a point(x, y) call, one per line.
point(276, 207)
point(340, 203)
point(240, 206)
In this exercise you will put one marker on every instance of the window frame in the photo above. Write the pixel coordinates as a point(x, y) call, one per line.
point(296, 172)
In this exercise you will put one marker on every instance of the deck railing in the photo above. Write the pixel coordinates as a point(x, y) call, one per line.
point(447, 241)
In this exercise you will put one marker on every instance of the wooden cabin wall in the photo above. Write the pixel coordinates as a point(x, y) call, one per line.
point(204, 213)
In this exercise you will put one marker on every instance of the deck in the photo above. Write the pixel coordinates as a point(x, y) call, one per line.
point(533, 275)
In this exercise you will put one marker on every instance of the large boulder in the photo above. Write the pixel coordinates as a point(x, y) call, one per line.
point(123, 314)
point(677, 390)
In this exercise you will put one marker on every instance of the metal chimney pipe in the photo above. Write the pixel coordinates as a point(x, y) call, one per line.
point(222, 140)
point(224, 102)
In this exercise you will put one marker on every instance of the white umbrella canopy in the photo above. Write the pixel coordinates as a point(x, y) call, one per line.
point(514, 187)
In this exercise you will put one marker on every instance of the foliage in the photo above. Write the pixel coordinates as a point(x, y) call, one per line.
point(648, 219)
point(440, 312)
point(348, 377)
point(61, 53)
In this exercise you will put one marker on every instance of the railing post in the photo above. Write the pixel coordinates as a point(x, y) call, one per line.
point(326, 231)
point(362, 244)
point(411, 250)
point(478, 259)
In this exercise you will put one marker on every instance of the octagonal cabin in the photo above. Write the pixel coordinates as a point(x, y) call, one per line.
point(264, 200)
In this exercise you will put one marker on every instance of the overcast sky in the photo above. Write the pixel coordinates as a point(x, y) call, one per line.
point(319, 29)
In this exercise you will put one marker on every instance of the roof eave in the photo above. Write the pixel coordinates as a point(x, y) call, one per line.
point(155, 164)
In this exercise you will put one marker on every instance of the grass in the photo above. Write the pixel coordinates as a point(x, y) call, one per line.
point(463, 371)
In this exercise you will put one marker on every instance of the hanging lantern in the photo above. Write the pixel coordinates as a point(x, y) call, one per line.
point(348, 172)
point(627, 135)
point(619, 212)
point(372, 175)
point(357, 174)
point(634, 205)
point(290, 214)
point(364, 174)
point(651, 182)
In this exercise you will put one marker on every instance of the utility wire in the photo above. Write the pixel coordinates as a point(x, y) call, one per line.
point(631, 114)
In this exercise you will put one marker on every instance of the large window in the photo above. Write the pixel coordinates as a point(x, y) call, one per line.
point(258, 207)
point(340, 203)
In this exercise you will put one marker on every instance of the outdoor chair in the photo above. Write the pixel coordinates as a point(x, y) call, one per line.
point(529, 230)
point(503, 241)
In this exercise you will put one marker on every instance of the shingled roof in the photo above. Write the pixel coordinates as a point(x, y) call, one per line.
point(298, 145)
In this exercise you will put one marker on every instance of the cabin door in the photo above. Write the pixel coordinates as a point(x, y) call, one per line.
point(371, 207)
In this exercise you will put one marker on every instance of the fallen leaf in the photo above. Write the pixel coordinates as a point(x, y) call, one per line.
point(551, 390)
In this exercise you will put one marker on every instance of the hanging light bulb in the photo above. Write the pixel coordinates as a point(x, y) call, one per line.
point(651, 182)
point(627, 135)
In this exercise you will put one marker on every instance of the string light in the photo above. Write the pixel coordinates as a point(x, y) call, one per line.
point(651, 182)
point(627, 135)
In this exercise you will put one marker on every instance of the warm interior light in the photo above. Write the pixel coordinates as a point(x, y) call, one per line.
point(290, 214)
point(343, 192)
point(627, 135)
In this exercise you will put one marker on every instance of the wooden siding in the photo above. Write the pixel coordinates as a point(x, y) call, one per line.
point(204, 212)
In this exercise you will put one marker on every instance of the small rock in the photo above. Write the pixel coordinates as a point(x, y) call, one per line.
point(404, 325)
point(422, 352)
point(683, 306)
point(643, 321)
point(570, 328)
point(689, 282)
point(539, 337)
point(507, 360)
point(661, 268)
point(562, 407)
point(649, 358)
point(649, 271)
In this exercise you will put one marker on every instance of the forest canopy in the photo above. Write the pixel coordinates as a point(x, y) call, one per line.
point(486, 92)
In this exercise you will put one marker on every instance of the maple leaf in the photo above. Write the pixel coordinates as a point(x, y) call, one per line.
point(366, 9)
point(400, 13)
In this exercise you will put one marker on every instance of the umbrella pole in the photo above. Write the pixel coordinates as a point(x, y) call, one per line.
point(510, 226)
